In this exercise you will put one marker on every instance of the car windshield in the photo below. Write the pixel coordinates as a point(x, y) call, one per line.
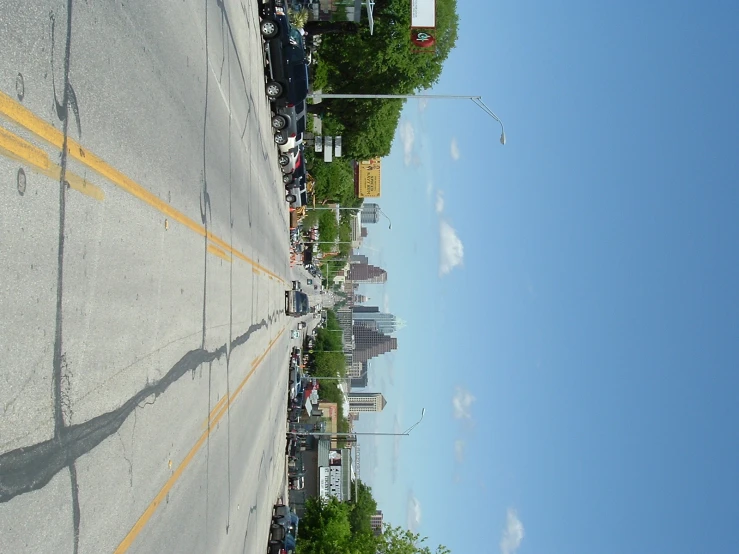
point(297, 37)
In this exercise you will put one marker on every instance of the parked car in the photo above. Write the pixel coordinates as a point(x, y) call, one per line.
point(297, 482)
point(290, 120)
point(280, 511)
point(294, 415)
point(297, 176)
point(284, 546)
point(288, 71)
point(289, 160)
point(296, 159)
point(292, 142)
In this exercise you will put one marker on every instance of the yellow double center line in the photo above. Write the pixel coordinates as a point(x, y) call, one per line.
point(19, 148)
point(221, 409)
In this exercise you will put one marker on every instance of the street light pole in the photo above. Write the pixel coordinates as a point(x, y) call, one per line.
point(476, 99)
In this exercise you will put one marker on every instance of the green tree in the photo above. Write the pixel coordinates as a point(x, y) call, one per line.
point(324, 527)
point(385, 62)
point(396, 540)
point(362, 507)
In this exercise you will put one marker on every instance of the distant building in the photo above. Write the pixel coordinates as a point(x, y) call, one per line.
point(369, 343)
point(370, 213)
point(360, 298)
point(366, 273)
point(384, 323)
point(358, 259)
point(356, 232)
point(376, 522)
point(366, 402)
point(358, 374)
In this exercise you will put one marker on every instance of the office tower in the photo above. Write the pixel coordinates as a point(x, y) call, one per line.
point(384, 323)
point(366, 273)
point(370, 343)
point(366, 402)
point(370, 213)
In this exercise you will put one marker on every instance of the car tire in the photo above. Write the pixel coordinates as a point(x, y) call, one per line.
point(278, 122)
point(280, 138)
point(274, 90)
point(287, 178)
point(290, 198)
point(269, 28)
point(283, 160)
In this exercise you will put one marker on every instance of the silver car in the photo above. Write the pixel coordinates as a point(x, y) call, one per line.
point(289, 122)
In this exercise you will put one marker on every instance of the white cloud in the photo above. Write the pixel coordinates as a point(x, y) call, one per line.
point(459, 446)
point(413, 513)
point(454, 149)
point(408, 136)
point(423, 104)
point(512, 534)
point(386, 303)
point(439, 201)
point(462, 403)
point(451, 250)
point(429, 188)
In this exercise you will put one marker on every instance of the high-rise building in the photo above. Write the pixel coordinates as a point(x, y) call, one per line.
point(360, 298)
point(366, 402)
point(384, 323)
point(370, 343)
point(358, 259)
point(376, 522)
point(370, 213)
point(366, 273)
point(358, 372)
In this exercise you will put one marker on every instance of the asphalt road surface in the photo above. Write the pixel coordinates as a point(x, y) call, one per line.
point(143, 263)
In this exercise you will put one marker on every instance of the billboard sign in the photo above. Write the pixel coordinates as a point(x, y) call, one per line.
point(368, 178)
point(423, 13)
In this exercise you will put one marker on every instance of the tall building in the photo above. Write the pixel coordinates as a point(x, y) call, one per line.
point(370, 343)
point(358, 372)
point(370, 213)
point(360, 298)
point(366, 402)
point(384, 323)
point(376, 522)
point(366, 273)
point(356, 231)
point(358, 259)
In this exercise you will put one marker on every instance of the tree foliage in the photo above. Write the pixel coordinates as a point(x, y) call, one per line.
point(327, 527)
point(363, 507)
point(385, 62)
point(324, 527)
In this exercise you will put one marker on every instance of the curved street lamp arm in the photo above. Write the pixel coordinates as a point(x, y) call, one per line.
point(386, 217)
point(491, 113)
point(407, 431)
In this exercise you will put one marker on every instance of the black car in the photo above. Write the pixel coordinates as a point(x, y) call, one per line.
point(288, 71)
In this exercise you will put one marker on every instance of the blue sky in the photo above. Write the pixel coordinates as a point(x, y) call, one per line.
point(572, 298)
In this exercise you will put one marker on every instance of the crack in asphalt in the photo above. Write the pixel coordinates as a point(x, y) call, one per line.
point(30, 468)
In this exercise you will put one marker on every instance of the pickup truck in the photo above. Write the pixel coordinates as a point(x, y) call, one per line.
point(288, 71)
